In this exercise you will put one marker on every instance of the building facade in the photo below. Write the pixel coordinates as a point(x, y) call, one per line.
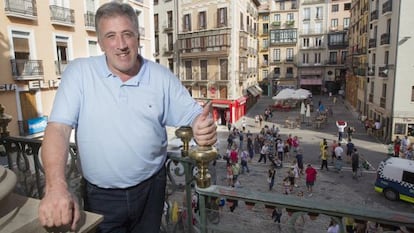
point(39, 38)
point(216, 54)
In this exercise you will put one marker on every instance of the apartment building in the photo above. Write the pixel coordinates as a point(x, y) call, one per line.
point(337, 45)
point(390, 91)
point(313, 44)
point(38, 40)
point(282, 45)
point(264, 77)
point(357, 80)
point(165, 29)
point(216, 53)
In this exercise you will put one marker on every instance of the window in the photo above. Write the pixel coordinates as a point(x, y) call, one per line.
point(241, 21)
point(318, 42)
point(265, 28)
point(289, 54)
point(170, 42)
point(265, 43)
point(93, 48)
point(202, 24)
point(155, 2)
point(384, 90)
point(289, 72)
point(283, 36)
point(187, 22)
point(318, 27)
point(305, 58)
point(332, 57)
point(188, 70)
point(386, 55)
point(412, 94)
point(222, 17)
point(343, 56)
point(203, 69)
point(223, 69)
point(306, 14)
point(346, 23)
point(277, 17)
point(282, 6)
point(265, 73)
point(336, 39)
point(319, 13)
point(400, 129)
point(171, 64)
point(347, 6)
point(290, 17)
point(170, 19)
point(335, 8)
point(305, 42)
point(276, 55)
point(408, 177)
point(156, 22)
point(265, 17)
point(334, 23)
point(317, 58)
point(410, 130)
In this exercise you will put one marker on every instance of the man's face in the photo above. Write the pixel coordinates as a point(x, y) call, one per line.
point(119, 41)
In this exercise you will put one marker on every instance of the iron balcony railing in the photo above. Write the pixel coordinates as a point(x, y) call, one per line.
point(62, 15)
point(89, 20)
point(21, 8)
point(27, 69)
point(22, 157)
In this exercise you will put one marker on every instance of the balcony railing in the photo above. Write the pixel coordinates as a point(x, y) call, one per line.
point(383, 71)
point(385, 39)
point(22, 157)
point(382, 102)
point(27, 69)
point(62, 16)
point(89, 20)
point(387, 7)
point(372, 43)
point(276, 23)
point(60, 66)
point(21, 8)
point(374, 15)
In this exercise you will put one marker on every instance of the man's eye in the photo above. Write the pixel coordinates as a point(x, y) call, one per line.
point(128, 35)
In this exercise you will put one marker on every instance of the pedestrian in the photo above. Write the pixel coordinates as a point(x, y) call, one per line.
point(341, 125)
point(235, 167)
point(324, 158)
point(397, 146)
point(338, 155)
point(271, 176)
point(243, 161)
point(277, 215)
point(291, 175)
point(349, 150)
point(286, 185)
point(263, 152)
point(333, 146)
point(299, 160)
point(120, 104)
point(355, 163)
point(333, 227)
point(310, 178)
point(250, 147)
point(229, 174)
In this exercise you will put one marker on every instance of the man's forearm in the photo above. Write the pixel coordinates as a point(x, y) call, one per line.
point(55, 149)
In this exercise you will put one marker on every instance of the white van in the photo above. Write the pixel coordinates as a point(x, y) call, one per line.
point(395, 179)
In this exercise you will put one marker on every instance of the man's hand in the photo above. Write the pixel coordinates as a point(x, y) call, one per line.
point(58, 208)
point(204, 127)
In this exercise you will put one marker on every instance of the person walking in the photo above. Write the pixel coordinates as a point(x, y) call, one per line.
point(338, 154)
point(324, 158)
point(355, 163)
point(271, 176)
point(341, 125)
point(243, 161)
point(136, 99)
point(310, 178)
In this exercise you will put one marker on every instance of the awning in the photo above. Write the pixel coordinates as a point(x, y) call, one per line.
point(258, 88)
point(311, 82)
point(253, 91)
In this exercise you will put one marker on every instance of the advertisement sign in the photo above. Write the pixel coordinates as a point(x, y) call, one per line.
point(37, 125)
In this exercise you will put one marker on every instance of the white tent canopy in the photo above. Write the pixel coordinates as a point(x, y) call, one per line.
point(289, 93)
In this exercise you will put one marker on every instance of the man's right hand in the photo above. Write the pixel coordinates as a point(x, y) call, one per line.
point(58, 208)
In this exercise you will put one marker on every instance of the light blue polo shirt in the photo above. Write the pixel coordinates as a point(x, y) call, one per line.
point(121, 132)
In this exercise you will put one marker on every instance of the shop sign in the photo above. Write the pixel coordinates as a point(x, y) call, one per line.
point(31, 85)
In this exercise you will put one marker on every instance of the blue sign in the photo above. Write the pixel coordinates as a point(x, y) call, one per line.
point(37, 125)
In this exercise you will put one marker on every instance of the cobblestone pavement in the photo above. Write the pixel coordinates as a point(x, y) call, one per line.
point(326, 187)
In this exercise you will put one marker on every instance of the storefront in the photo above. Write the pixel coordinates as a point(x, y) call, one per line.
point(225, 111)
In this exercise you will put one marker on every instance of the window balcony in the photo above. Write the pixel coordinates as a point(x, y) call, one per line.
point(276, 23)
point(290, 23)
point(385, 39)
point(387, 7)
point(62, 16)
point(383, 71)
point(25, 9)
point(27, 69)
point(372, 43)
point(89, 21)
point(374, 15)
point(382, 102)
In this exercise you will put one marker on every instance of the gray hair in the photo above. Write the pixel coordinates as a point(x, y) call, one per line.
point(112, 9)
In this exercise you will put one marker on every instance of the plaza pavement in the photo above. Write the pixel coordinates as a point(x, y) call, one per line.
point(329, 185)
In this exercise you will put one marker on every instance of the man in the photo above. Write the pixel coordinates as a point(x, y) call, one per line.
point(341, 125)
point(310, 178)
point(338, 155)
point(119, 103)
point(355, 163)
